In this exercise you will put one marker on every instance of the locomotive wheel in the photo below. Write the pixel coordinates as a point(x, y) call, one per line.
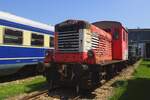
point(110, 72)
point(49, 80)
point(95, 75)
point(51, 84)
point(40, 67)
point(78, 89)
point(52, 75)
point(95, 78)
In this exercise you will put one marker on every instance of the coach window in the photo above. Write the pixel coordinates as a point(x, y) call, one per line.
point(37, 40)
point(13, 37)
point(116, 34)
point(51, 41)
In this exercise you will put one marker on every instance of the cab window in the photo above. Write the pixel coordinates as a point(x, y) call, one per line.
point(37, 40)
point(13, 37)
point(51, 41)
point(116, 34)
point(124, 36)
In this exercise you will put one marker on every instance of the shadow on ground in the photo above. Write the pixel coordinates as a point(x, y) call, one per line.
point(147, 65)
point(137, 89)
point(23, 73)
point(37, 86)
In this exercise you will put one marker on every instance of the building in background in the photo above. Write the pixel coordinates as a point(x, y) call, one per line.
point(141, 39)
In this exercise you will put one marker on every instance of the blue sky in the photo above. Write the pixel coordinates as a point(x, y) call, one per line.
point(132, 13)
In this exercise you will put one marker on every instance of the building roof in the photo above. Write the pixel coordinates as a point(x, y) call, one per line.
point(139, 29)
point(139, 35)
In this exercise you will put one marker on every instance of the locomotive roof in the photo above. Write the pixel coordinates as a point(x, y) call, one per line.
point(107, 24)
point(72, 21)
point(9, 19)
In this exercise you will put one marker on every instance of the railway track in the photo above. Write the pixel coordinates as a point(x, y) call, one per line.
point(44, 94)
point(101, 92)
point(35, 95)
point(49, 95)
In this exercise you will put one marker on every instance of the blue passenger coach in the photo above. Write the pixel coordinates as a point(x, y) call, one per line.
point(22, 42)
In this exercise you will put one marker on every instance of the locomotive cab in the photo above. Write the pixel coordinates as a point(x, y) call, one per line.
point(119, 38)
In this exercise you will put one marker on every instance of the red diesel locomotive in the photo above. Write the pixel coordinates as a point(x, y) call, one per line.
point(86, 53)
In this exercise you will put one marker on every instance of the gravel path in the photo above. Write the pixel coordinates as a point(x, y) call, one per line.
point(106, 91)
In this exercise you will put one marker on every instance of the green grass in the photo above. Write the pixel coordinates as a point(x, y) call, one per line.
point(137, 88)
point(143, 71)
point(12, 89)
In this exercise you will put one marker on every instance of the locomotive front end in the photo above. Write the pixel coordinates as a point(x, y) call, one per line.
point(72, 41)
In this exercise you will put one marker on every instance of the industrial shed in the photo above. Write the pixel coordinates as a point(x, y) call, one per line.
point(141, 38)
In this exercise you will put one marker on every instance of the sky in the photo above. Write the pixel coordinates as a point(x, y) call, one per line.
point(131, 13)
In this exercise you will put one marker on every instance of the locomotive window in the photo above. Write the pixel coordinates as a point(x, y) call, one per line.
point(13, 37)
point(124, 36)
point(70, 27)
point(116, 34)
point(37, 40)
point(51, 41)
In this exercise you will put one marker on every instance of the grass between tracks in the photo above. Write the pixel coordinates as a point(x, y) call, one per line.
point(137, 88)
point(20, 87)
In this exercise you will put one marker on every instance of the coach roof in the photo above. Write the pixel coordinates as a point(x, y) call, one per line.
point(7, 17)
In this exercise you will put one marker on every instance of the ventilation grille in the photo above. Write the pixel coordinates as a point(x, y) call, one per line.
point(95, 40)
point(68, 42)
